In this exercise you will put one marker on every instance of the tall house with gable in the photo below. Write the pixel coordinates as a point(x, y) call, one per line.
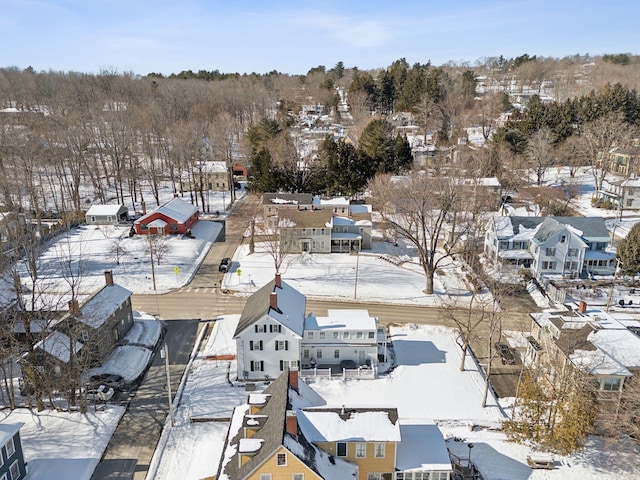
point(270, 330)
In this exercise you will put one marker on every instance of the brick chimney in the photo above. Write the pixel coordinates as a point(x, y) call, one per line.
point(293, 379)
point(273, 300)
point(143, 205)
point(278, 280)
point(582, 307)
point(108, 278)
point(291, 423)
point(74, 308)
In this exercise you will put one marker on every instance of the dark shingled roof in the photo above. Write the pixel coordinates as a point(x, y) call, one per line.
point(291, 303)
point(593, 228)
point(526, 222)
point(272, 431)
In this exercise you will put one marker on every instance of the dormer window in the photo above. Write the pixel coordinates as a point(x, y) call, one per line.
point(563, 238)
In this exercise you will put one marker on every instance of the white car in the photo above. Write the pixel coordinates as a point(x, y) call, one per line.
point(102, 393)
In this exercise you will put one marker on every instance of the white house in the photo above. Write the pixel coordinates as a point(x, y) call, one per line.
point(341, 335)
point(274, 334)
point(270, 330)
point(566, 246)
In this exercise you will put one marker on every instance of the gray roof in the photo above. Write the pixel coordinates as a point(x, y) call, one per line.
point(287, 199)
point(525, 222)
point(272, 431)
point(291, 305)
point(549, 228)
point(592, 228)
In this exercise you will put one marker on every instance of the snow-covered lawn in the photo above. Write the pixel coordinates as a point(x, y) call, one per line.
point(385, 273)
point(63, 445)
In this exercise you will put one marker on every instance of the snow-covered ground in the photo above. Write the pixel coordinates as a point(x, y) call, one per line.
point(63, 445)
point(426, 385)
point(385, 273)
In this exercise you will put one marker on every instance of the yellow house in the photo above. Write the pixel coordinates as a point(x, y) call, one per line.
point(272, 438)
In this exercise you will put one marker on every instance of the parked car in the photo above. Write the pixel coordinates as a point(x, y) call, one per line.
point(109, 379)
point(348, 364)
point(225, 263)
point(100, 394)
point(506, 353)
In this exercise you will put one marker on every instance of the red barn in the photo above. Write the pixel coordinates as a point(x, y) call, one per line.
point(175, 216)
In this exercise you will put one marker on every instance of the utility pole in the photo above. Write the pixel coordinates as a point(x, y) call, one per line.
point(165, 353)
point(153, 269)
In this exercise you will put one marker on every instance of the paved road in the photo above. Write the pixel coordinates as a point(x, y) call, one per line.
point(133, 443)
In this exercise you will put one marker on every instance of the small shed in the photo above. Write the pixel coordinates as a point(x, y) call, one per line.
point(106, 214)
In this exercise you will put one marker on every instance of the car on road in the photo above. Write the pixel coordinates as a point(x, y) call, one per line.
point(507, 356)
point(100, 394)
point(109, 379)
point(225, 263)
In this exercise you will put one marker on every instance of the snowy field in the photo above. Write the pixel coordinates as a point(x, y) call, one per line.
point(426, 385)
point(385, 273)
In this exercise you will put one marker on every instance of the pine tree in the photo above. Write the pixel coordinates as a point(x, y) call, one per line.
point(629, 252)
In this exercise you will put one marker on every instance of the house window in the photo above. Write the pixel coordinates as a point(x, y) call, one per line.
point(11, 447)
point(305, 353)
point(374, 476)
point(341, 449)
point(275, 328)
point(257, 366)
point(14, 470)
point(310, 335)
point(297, 476)
point(283, 364)
point(572, 252)
point(504, 245)
point(371, 335)
point(255, 345)
point(379, 450)
point(336, 354)
point(319, 354)
point(322, 334)
point(173, 227)
point(85, 335)
point(265, 476)
point(260, 328)
point(359, 334)
point(282, 345)
point(550, 252)
point(345, 335)
point(281, 459)
point(144, 227)
point(336, 335)
point(563, 238)
point(611, 384)
point(548, 265)
point(93, 219)
point(361, 450)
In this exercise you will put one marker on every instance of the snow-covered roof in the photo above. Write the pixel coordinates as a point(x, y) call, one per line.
point(211, 167)
point(8, 430)
point(176, 208)
point(422, 448)
point(621, 344)
point(102, 210)
point(249, 445)
point(158, 223)
point(334, 201)
point(102, 305)
point(352, 424)
point(342, 319)
point(290, 312)
point(57, 345)
point(597, 362)
point(327, 466)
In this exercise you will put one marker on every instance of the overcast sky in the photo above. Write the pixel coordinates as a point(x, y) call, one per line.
point(292, 36)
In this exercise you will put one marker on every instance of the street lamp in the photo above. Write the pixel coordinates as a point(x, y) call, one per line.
point(470, 445)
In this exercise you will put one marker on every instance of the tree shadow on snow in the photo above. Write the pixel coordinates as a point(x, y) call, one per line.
point(417, 352)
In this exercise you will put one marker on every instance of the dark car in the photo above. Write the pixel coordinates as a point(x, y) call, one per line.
point(225, 263)
point(348, 364)
point(109, 379)
point(506, 353)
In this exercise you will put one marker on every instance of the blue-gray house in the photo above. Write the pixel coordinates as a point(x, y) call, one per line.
point(12, 465)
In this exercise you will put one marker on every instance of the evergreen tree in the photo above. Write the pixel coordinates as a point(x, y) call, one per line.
point(629, 252)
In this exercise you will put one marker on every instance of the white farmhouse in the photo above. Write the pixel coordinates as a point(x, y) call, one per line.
point(274, 334)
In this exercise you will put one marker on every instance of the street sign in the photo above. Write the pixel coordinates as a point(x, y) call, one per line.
point(239, 272)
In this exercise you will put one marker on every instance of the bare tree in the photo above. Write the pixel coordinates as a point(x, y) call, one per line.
point(598, 138)
point(418, 206)
point(539, 153)
point(159, 247)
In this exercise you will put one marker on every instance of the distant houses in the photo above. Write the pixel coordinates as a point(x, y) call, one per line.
point(106, 214)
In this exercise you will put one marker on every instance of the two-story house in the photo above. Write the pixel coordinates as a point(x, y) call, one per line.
point(621, 193)
point(341, 335)
point(566, 246)
point(590, 340)
point(286, 432)
point(270, 330)
point(274, 333)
